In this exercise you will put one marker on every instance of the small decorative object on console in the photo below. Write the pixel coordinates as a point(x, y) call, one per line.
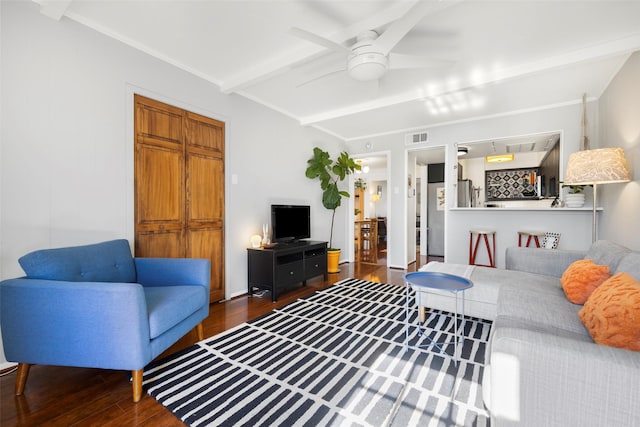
point(256, 240)
point(266, 235)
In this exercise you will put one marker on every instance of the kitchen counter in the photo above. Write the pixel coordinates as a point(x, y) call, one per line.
point(533, 208)
point(573, 225)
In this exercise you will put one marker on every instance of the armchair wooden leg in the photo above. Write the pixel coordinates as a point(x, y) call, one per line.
point(200, 331)
point(136, 377)
point(21, 377)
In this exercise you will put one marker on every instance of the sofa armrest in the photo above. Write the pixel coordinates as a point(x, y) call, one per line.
point(550, 262)
point(541, 379)
point(173, 271)
point(89, 324)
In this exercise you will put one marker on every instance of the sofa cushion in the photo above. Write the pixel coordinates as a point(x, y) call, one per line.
point(630, 263)
point(552, 262)
point(544, 310)
point(481, 299)
point(607, 253)
point(516, 328)
point(109, 261)
point(169, 305)
point(612, 313)
point(531, 282)
point(581, 279)
point(518, 278)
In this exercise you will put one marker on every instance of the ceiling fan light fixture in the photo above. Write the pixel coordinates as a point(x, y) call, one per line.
point(371, 55)
point(367, 66)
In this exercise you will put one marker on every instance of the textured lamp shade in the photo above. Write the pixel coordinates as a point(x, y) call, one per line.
point(600, 166)
point(593, 167)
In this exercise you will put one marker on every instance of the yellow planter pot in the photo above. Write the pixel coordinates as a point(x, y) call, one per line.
point(333, 257)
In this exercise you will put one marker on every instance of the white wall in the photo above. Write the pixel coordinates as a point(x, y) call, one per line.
point(566, 119)
point(619, 126)
point(3, 360)
point(67, 143)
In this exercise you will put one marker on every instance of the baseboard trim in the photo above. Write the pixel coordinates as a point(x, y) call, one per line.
point(7, 368)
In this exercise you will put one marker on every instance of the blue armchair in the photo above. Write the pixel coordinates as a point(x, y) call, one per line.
point(96, 306)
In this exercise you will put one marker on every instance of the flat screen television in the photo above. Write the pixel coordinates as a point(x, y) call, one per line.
point(290, 222)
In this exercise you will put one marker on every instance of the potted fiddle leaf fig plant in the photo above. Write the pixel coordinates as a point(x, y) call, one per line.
point(330, 173)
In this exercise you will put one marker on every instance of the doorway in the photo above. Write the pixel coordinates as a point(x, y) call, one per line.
point(425, 205)
point(370, 220)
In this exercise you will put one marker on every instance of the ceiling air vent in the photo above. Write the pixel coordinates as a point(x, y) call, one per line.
point(521, 147)
point(416, 138)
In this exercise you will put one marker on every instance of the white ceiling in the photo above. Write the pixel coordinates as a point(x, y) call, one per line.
point(538, 143)
point(507, 55)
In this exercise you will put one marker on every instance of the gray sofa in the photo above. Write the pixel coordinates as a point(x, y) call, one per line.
point(542, 367)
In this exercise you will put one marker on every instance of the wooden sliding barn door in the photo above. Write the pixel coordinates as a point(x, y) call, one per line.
point(179, 186)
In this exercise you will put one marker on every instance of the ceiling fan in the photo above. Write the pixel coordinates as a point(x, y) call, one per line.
point(370, 56)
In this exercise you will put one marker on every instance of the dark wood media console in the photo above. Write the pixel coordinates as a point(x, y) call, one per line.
point(280, 267)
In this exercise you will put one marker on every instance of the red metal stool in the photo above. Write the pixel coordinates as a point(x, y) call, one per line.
point(529, 235)
point(473, 250)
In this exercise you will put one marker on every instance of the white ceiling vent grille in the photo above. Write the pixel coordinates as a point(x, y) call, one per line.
point(416, 138)
point(520, 148)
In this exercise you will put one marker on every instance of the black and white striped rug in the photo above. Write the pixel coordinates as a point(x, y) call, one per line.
point(336, 358)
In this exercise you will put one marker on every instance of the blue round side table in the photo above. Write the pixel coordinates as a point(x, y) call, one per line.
point(436, 281)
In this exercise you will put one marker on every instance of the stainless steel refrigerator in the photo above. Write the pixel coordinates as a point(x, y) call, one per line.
point(466, 195)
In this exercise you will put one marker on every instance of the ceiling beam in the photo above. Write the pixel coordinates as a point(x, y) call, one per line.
point(269, 69)
point(54, 9)
point(602, 50)
point(287, 61)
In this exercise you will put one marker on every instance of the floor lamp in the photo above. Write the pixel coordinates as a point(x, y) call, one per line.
point(593, 167)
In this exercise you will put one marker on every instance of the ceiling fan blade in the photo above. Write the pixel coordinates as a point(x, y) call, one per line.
point(399, 61)
point(321, 75)
point(319, 40)
point(399, 28)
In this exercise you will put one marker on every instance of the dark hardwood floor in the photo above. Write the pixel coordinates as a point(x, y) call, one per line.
point(61, 396)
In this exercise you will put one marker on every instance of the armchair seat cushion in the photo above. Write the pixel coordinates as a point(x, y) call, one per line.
point(170, 305)
point(101, 262)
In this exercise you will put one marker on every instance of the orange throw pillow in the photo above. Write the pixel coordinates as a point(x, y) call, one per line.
point(612, 313)
point(581, 278)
